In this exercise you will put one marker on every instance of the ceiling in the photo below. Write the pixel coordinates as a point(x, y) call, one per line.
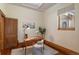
point(36, 6)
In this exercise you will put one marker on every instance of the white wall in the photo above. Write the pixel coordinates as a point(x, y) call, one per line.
point(23, 15)
point(69, 39)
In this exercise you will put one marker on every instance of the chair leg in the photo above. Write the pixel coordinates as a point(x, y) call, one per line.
point(43, 50)
point(32, 50)
point(25, 50)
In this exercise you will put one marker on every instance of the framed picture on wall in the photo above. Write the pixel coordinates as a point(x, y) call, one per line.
point(29, 25)
point(66, 18)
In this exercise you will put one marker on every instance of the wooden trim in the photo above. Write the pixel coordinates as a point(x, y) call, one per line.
point(59, 48)
point(11, 18)
point(58, 22)
point(72, 29)
point(2, 14)
point(1, 31)
point(6, 52)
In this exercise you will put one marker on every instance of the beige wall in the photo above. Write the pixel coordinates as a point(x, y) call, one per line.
point(69, 39)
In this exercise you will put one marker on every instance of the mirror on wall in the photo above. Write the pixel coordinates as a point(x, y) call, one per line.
point(66, 18)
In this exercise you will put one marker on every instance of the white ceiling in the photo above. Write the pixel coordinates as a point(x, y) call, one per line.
point(35, 6)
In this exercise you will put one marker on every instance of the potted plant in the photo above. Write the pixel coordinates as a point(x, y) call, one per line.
point(42, 31)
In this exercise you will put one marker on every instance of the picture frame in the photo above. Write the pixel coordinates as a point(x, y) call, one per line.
point(66, 18)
